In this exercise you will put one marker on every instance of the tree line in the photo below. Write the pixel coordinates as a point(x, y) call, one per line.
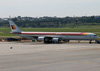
point(53, 22)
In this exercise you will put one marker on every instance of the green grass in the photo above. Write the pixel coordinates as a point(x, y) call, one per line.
point(93, 30)
point(62, 29)
point(6, 34)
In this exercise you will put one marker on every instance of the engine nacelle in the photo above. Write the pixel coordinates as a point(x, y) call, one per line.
point(40, 39)
point(49, 39)
point(55, 40)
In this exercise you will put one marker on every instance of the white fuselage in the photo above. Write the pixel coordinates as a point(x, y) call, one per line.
point(61, 35)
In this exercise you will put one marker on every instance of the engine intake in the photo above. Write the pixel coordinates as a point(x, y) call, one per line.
point(40, 39)
point(55, 40)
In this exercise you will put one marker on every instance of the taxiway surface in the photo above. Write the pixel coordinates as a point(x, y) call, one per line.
point(49, 57)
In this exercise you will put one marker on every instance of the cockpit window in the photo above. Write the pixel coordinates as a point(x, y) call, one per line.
point(95, 35)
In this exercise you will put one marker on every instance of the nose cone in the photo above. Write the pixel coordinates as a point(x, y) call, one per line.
point(93, 36)
point(96, 37)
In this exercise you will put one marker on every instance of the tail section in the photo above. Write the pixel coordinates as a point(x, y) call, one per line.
point(14, 27)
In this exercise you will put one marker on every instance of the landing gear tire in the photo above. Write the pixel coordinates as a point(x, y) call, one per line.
point(90, 42)
point(47, 40)
point(96, 41)
point(66, 40)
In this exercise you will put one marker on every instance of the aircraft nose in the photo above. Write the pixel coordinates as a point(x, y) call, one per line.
point(97, 37)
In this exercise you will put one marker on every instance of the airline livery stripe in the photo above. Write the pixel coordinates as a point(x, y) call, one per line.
point(55, 33)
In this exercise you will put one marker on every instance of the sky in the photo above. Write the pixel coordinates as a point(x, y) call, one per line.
point(40, 8)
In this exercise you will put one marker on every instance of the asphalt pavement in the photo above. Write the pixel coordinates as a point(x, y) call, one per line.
point(25, 56)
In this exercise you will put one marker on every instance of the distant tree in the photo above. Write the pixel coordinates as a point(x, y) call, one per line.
point(53, 21)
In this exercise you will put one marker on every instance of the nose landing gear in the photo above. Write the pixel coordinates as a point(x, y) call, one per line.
point(97, 41)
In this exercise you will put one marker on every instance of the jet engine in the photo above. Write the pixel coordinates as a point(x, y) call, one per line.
point(55, 40)
point(49, 39)
point(40, 39)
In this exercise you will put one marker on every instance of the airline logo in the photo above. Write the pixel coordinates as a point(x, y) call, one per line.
point(13, 27)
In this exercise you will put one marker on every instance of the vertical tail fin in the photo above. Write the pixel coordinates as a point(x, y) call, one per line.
point(14, 27)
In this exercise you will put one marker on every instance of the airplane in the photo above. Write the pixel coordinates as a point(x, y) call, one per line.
point(53, 37)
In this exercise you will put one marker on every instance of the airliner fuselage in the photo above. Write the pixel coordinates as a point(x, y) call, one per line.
point(49, 37)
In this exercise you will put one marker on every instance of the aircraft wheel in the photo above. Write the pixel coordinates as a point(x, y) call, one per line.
point(90, 41)
point(47, 40)
point(96, 41)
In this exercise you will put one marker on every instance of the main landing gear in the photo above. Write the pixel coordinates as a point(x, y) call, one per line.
point(90, 41)
point(96, 41)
